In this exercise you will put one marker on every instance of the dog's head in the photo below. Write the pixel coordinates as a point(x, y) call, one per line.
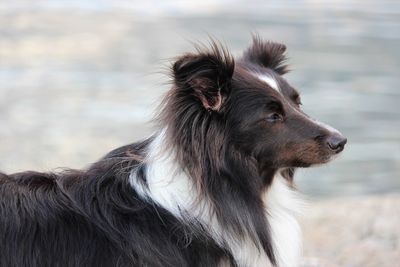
point(250, 101)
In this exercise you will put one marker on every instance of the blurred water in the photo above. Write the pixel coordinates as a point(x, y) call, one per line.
point(78, 78)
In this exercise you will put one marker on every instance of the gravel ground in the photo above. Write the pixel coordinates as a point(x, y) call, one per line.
point(359, 231)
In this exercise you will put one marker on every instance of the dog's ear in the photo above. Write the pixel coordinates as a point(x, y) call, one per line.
point(206, 75)
point(267, 54)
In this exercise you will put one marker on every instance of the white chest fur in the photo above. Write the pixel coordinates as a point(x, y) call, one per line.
point(283, 205)
point(169, 187)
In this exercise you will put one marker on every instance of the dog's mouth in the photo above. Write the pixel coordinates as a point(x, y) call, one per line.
point(310, 154)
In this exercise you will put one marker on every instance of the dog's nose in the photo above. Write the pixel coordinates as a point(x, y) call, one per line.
point(336, 142)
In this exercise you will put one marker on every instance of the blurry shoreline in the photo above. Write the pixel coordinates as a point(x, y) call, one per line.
point(80, 78)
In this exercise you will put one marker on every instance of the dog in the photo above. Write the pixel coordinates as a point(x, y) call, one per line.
point(212, 187)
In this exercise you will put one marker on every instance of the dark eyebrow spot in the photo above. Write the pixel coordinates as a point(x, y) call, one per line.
point(274, 105)
point(295, 97)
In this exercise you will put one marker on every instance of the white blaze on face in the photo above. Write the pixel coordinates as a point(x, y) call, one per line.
point(268, 79)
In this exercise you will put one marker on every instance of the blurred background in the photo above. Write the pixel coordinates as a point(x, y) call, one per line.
point(81, 77)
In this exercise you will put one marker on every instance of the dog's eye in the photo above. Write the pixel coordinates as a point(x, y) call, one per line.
point(274, 117)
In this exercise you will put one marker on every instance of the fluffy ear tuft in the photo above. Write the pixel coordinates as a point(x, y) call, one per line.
point(267, 54)
point(206, 75)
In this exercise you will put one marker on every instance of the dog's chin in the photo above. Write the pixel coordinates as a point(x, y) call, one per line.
point(311, 162)
point(323, 160)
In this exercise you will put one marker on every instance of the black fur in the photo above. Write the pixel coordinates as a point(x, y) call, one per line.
point(92, 218)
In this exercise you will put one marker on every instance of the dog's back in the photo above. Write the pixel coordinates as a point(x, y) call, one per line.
point(42, 223)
